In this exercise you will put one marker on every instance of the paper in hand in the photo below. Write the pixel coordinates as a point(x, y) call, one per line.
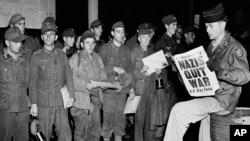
point(155, 62)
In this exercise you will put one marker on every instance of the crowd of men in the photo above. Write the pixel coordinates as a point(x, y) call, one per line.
point(32, 76)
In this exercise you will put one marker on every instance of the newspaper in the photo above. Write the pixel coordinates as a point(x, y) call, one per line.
point(131, 104)
point(65, 96)
point(155, 62)
point(198, 79)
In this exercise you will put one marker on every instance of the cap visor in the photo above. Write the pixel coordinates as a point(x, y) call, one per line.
point(19, 39)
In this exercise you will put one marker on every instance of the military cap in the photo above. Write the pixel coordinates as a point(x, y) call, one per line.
point(118, 24)
point(16, 18)
point(69, 32)
point(87, 34)
point(96, 23)
point(49, 24)
point(168, 19)
point(146, 26)
point(14, 34)
point(189, 29)
point(215, 14)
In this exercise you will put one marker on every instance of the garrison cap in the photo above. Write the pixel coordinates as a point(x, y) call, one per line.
point(14, 34)
point(16, 18)
point(144, 29)
point(169, 19)
point(49, 24)
point(189, 29)
point(118, 24)
point(87, 34)
point(96, 23)
point(215, 14)
point(69, 32)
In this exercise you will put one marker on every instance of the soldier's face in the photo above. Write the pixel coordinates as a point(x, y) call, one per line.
point(172, 28)
point(98, 30)
point(21, 25)
point(119, 34)
point(144, 40)
point(69, 41)
point(49, 38)
point(214, 30)
point(14, 47)
point(89, 45)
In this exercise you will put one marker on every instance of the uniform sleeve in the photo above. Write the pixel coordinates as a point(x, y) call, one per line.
point(238, 73)
point(103, 54)
point(102, 69)
point(69, 78)
point(33, 79)
point(136, 71)
point(79, 84)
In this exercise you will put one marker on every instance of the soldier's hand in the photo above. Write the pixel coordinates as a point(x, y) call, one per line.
point(144, 70)
point(70, 102)
point(34, 110)
point(90, 86)
point(210, 64)
point(118, 86)
point(132, 93)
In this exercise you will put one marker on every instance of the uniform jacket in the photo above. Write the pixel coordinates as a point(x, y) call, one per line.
point(113, 56)
point(14, 83)
point(136, 57)
point(84, 70)
point(49, 72)
point(232, 69)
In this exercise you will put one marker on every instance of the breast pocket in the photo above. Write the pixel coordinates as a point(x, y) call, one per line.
point(110, 61)
point(44, 68)
point(6, 75)
point(138, 63)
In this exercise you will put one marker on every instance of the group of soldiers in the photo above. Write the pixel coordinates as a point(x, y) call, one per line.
point(32, 77)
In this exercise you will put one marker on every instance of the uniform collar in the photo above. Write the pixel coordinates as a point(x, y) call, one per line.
point(53, 51)
point(221, 45)
point(7, 56)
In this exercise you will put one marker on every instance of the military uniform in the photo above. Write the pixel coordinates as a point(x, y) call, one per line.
point(227, 58)
point(114, 121)
point(141, 129)
point(14, 101)
point(86, 110)
point(49, 72)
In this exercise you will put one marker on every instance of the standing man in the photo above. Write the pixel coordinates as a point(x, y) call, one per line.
point(69, 40)
point(167, 43)
point(87, 65)
point(30, 45)
point(227, 57)
point(49, 72)
point(14, 101)
point(141, 82)
point(117, 62)
point(96, 28)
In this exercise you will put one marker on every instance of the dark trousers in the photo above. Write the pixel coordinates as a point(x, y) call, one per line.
point(57, 116)
point(87, 125)
point(14, 125)
point(142, 132)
